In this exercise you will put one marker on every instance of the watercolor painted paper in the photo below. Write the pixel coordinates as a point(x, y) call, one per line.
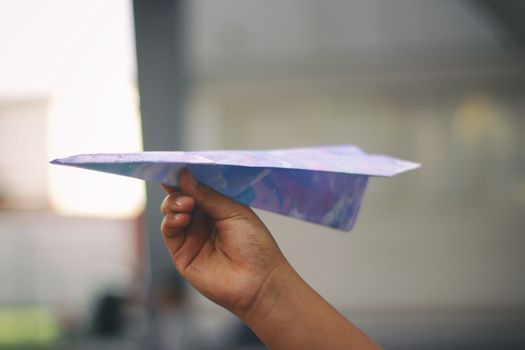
point(323, 185)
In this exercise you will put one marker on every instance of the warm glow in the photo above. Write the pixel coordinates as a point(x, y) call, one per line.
point(99, 118)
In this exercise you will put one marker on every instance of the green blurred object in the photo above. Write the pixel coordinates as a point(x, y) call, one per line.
point(27, 325)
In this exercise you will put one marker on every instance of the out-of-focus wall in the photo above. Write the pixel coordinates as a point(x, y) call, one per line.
point(426, 237)
point(434, 82)
point(63, 262)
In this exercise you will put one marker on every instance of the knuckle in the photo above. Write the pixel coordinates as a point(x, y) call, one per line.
point(207, 192)
point(244, 210)
point(163, 226)
point(166, 202)
point(163, 206)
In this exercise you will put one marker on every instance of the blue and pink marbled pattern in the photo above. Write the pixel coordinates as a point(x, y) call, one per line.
point(324, 185)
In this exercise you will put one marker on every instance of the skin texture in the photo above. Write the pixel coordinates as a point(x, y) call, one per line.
point(225, 251)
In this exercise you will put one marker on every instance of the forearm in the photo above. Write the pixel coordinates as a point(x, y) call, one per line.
point(290, 315)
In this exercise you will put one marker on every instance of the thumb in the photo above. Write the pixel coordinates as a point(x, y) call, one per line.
point(213, 203)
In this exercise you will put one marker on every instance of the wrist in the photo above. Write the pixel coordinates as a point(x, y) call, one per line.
point(274, 286)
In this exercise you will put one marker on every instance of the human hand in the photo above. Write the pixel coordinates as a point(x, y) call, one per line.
point(222, 248)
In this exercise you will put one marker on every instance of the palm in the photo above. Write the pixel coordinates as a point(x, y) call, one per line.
point(225, 260)
point(221, 247)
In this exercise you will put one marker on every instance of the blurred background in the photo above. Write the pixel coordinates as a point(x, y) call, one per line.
point(436, 258)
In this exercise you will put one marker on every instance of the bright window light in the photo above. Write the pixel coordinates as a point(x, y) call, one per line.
point(94, 109)
point(94, 119)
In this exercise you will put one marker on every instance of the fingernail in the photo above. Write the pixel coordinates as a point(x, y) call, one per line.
point(178, 202)
point(177, 216)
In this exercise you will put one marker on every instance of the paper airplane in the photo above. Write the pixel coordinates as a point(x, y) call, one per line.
point(323, 185)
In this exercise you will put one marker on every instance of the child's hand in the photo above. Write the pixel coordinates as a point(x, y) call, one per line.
point(221, 247)
point(224, 250)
